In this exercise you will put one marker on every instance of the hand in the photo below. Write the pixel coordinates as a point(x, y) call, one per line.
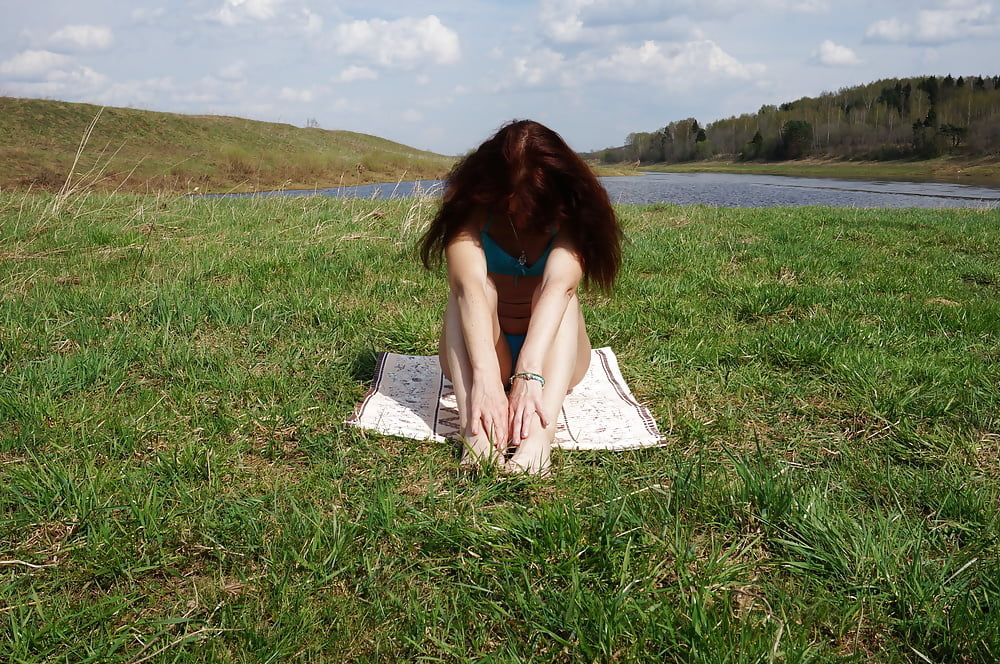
point(488, 413)
point(525, 403)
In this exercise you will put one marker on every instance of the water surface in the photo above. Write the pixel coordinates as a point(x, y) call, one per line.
point(730, 190)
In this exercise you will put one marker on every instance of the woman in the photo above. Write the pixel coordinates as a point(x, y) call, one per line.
point(522, 222)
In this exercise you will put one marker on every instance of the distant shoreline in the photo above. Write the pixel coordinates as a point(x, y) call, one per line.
point(983, 173)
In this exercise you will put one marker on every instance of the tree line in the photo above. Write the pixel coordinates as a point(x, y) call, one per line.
point(895, 118)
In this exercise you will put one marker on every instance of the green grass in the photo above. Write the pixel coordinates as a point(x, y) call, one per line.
point(981, 172)
point(174, 374)
point(145, 151)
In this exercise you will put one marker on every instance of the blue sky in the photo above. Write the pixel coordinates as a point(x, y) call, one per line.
point(444, 75)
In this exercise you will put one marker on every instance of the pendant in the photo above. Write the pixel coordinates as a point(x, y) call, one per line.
point(522, 259)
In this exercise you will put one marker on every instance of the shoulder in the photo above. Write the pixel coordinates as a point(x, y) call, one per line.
point(564, 264)
point(472, 226)
point(563, 241)
point(466, 245)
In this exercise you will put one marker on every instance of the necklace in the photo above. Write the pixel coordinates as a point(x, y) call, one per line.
point(523, 258)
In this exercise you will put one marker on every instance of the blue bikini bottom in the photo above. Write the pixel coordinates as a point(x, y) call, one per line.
point(515, 341)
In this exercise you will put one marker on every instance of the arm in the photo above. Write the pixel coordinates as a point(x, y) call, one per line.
point(560, 280)
point(467, 279)
point(562, 275)
point(486, 403)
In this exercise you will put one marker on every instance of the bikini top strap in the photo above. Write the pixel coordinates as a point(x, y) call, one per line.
point(489, 220)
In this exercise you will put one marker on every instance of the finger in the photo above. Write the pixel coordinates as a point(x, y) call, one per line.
point(498, 428)
point(542, 417)
point(524, 425)
point(474, 420)
point(503, 437)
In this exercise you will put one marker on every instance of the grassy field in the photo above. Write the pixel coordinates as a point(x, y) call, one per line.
point(144, 151)
point(176, 483)
point(982, 172)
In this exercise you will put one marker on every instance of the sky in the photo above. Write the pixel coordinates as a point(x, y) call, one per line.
point(445, 75)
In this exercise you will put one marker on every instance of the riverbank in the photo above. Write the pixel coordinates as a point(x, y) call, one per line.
point(984, 172)
point(613, 170)
point(176, 477)
point(143, 151)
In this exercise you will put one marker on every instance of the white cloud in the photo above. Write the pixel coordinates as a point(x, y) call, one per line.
point(208, 94)
point(539, 66)
point(832, 54)
point(356, 73)
point(561, 19)
point(78, 77)
point(890, 29)
point(285, 19)
point(803, 6)
point(411, 115)
point(301, 96)
point(32, 64)
point(82, 38)
point(235, 71)
point(47, 74)
point(234, 12)
point(342, 105)
point(951, 21)
point(673, 65)
point(403, 43)
point(144, 92)
point(957, 20)
point(313, 22)
point(147, 16)
point(575, 21)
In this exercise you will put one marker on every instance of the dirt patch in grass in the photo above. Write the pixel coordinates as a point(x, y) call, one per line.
point(944, 302)
point(46, 542)
point(252, 472)
point(64, 346)
point(865, 640)
point(988, 454)
point(13, 429)
point(68, 280)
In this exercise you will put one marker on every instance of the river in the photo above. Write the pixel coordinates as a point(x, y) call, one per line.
point(730, 190)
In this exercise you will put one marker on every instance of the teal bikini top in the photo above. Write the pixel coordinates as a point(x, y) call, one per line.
point(499, 261)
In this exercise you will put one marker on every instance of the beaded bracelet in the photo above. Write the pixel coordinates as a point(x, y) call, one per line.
point(527, 375)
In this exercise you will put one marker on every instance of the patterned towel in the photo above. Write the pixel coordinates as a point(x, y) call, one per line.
point(411, 398)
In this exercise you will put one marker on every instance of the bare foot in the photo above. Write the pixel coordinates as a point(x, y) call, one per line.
point(479, 451)
point(533, 457)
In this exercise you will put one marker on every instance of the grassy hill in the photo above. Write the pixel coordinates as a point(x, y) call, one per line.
point(141, 150)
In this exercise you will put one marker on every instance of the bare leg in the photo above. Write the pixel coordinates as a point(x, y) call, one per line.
point(454, 358)
point(564, 367)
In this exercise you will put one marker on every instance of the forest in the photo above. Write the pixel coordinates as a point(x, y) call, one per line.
point(897, 118)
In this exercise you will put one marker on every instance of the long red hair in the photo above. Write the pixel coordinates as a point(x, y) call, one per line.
point(527, 171)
